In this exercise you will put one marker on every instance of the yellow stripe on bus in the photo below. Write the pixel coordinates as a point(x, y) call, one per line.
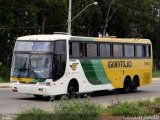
point(21, 79)
point(116, 83)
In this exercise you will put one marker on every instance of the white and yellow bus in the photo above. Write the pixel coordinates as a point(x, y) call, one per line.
point(57, 64)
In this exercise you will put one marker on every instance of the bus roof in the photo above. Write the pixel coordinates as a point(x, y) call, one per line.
point(79, 38)
point(111, 39)
point(43, 37)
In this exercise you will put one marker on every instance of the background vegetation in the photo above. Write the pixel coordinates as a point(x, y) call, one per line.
point(121, 18)
point(156, 73)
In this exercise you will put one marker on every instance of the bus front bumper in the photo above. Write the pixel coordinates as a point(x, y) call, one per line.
point(31, 89)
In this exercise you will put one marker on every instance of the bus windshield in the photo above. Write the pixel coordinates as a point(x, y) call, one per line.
point(34, 46)
point(39, 59)
point(31, 65)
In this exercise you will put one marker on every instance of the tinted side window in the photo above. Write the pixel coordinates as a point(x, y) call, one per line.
point(105, 50)
point(129, 50)
point(148, 51)
point(82, 49)
point(141, 51)
point(117, 50)
point(75, 49)
point(91, 50)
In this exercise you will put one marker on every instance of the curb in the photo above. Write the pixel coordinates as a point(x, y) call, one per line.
point(155, 79)
point(4, 85)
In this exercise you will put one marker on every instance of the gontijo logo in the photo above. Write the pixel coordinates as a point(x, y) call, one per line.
point(74, 66)
point(119, 64)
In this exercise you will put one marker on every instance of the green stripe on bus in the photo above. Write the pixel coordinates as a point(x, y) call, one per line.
point(95, 72)
point(90, 72)
point(100, 72)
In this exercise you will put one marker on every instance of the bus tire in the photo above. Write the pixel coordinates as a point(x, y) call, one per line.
point(57, 97)
point(38, 96)
point(134, 84)
point(72, 89)
point(127, 85)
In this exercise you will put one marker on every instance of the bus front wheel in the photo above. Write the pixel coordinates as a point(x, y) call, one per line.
point(72, 89)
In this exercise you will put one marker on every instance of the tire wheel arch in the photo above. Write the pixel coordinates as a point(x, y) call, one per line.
point(75, 82)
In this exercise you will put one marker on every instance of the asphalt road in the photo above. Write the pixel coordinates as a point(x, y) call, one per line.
point(14, 103)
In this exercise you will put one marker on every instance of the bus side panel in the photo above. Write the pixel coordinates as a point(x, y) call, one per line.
point(90, 75)
point(143, 68)
point(140, 67)
point(115, 75)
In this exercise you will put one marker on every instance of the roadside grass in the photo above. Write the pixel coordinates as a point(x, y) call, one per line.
point(67, 110)
point(35, 114)
point(138, 108)
point(85, 110)
point(156, 73)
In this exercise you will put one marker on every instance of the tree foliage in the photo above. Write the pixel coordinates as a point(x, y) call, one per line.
point(121, 18)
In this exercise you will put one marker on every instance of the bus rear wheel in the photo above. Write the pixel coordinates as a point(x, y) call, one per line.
point(72, 89)
point(134, 85)
point(127, 85)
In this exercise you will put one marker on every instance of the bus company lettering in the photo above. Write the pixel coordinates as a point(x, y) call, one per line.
point(119, 64)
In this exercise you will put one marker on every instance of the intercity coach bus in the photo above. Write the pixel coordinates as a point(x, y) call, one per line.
point(50, 65)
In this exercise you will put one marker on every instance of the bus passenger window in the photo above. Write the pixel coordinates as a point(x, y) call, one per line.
point(117, 50)
point(143, 51)
point(139, 51)
point(105, 50)
point(75, 50)
point(82, 49)
point(129, 50)
point(92, 50)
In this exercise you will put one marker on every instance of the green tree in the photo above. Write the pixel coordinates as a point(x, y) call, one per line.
point(87, 22)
